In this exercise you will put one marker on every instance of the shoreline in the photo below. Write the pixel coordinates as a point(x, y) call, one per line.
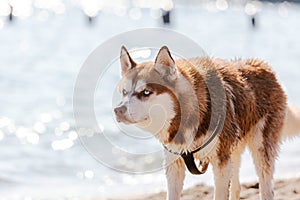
point(283, 188)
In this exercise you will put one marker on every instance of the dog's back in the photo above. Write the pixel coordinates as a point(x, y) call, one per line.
point(256, 93)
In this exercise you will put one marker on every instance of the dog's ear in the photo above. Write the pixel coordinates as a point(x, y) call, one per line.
point(126, 61)
point(165, 64)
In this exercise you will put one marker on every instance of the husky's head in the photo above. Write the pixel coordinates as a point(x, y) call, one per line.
point(147, 89)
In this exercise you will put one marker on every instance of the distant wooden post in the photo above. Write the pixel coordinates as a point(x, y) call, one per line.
point(253, 21)
point(166, 17)
point(10, 16)
point(90, 19)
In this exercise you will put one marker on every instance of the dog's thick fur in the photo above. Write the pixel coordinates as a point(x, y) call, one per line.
point(257, 115)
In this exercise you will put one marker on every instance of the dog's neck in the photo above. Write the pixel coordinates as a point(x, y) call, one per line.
point(177, 130)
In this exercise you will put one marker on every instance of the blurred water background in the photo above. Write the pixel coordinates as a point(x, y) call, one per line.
point(43, 48)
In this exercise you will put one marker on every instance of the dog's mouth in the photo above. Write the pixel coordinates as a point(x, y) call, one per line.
point(125, 120)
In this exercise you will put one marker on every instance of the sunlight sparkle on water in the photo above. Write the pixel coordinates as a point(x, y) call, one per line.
point(21, 8)
point(167, 5)
point(253, 7)
point(1, 135)
point(26, 134)
point(56, 6)
point(72, 135)
point(4, 8)
point(11, 128)
point(56, 114)
point(89, 174)
point(5, 121)
point(64, 126)
point(62, 144)
point(46, 117)
point(221, 4)
point(1, 23)
point(32, 138)
point(127, 179)
point(8, 123)
point(22, 132)
point(250, 9)
point(58, 131)
point(91, 7)
point(85, 132)
point(59, 9)
point(39, 127)
point(108, 181)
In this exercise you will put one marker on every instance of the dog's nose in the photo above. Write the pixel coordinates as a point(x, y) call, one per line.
point(120, 110)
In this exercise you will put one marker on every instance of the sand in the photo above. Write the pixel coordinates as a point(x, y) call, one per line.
point(288, 189)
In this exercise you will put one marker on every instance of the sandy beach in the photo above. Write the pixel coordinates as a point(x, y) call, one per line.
point(288, 189)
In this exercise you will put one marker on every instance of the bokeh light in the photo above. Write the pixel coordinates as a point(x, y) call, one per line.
point(221, 4)
point(1, 135)
point(62, 144)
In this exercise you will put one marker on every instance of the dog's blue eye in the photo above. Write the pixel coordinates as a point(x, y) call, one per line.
point(143, 94)
point(124, 92)
point(146, 93)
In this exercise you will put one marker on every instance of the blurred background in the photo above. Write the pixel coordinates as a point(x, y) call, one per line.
point(43, 44)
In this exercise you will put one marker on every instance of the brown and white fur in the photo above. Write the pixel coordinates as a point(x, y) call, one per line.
point(170, 99)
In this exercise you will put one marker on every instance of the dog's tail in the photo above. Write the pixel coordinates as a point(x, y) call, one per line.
point(291, 125)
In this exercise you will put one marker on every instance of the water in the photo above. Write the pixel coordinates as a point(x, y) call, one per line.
point(39, 60)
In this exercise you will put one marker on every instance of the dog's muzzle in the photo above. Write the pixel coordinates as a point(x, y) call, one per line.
point(120, 113)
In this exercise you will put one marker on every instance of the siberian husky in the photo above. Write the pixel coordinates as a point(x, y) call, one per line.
point(257, 116)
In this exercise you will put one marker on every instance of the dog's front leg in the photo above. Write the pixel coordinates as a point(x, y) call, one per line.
point(222, 175)
point(175, 172)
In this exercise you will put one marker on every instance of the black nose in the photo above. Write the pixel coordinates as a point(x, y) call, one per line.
point(120, 110)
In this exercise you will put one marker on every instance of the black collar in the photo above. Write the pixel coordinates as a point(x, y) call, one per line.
point(188, 157)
